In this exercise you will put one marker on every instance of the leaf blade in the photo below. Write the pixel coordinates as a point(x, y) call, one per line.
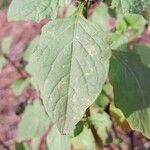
point(57, 141)
point(131, 89)
point(34, 10)
point(132, 6)
point(34, 122)
point(73, 76)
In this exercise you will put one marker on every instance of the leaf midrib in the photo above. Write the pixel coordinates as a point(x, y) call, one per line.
point(72, 50)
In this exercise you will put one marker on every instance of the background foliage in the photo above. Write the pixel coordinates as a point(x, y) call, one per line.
point(91, 77)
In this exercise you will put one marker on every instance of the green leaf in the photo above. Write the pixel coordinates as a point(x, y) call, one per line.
point(70, 66)
point(103, 100)
point(84, 141)
point(32, 145)
point(34, 122)
point(119, 42)
point(34, 10)
point(108, 2)
point(79, 128)
point(56, 141)
point(102, 124)
point(133, 22)
point(127, 28)
point(108, 89)
point(71, 10)
point(35, 143)
point(132, 6)
point(101, 16)
point(5, 45)
point(144, 52)
point(23, 146)
point(131, 81)
point(29, 50)
point(117, 114)
point(19, 85)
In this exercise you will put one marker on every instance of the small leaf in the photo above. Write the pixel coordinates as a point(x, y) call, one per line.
point(102, 101)
point(104, 98)
point(131, 81)
point(102, 124)
point(84, 141)
point(132, 6)
point(35, 143)
point(34, 122)
point(23, 146)
point(101, 16)
point(79, 128)
point(32, 145)
point(120, 118)
point(19, 85)
point(117, 114)
point(108, 89)
point(108, 2)
point(119, 42)
point(56, 141)
point(70, 66)
point(134, 22)
point(5, 45)
point(127, 28)
point(34, 10)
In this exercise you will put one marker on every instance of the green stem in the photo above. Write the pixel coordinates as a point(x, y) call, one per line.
point(25, 75)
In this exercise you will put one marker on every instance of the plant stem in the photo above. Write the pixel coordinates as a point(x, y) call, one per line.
point(15, 67)
point(85, 11)
point(4, 146)
point(97, 139)
point(107, 110)
point(131, 135)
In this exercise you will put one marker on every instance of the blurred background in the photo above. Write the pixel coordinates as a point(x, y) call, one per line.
point(14, 39)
